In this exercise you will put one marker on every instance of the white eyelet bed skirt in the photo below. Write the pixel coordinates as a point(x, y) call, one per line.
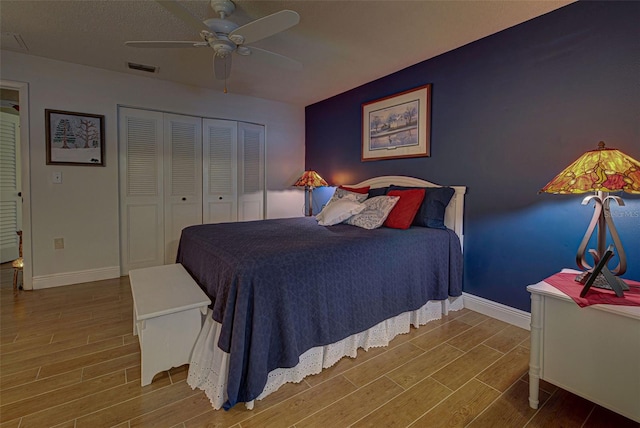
point(208, 369)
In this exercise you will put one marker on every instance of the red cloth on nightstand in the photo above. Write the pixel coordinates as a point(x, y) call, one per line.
point(566, 283)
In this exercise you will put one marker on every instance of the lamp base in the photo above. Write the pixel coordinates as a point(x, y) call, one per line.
point(310, 190)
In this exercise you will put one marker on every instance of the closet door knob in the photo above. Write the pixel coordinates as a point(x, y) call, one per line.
point(220, 197)
point(184, 199)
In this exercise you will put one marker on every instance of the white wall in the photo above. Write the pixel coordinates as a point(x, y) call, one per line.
point(84, 208)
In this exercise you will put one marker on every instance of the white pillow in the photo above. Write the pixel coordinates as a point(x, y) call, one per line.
point(375, 213)
point(338, 211)
point(340, 195)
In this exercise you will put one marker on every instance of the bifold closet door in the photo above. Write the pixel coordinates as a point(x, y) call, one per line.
point(220, 171)
point(182, 179)
point(251, 161)
point(160, 184)
point(177, 171)
point(141, 146)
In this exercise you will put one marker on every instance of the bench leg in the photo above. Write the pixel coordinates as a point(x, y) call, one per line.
point(135, 317)
point(167, 341)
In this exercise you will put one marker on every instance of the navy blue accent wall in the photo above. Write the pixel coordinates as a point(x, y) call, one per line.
point(509, 112)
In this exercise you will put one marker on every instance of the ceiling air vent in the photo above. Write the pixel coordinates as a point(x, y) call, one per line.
point(142, 67)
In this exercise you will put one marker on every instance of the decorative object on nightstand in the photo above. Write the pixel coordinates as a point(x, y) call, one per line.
point(602, 170)
point(309, 180)
point(602, 277)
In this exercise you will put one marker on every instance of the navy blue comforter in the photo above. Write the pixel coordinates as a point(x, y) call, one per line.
point(280, 287)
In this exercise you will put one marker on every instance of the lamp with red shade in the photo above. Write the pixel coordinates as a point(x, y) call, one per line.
point(309, 180)
point(602, 170)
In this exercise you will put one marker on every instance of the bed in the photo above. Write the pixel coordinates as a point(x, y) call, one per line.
point(291, 297)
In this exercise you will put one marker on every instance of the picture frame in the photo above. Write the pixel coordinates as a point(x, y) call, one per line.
point(397, 126)
point(74, 138)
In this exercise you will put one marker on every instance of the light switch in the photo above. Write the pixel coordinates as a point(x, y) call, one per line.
point(57, 177)
point(58, 243)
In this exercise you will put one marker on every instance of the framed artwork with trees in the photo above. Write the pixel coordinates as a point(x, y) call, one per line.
point(397, 126)
point(74, 138)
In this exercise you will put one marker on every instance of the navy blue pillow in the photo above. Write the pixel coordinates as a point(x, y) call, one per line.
point(431, 211)
point(378, 191)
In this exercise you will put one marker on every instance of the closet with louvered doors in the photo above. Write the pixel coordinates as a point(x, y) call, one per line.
point(177, 171)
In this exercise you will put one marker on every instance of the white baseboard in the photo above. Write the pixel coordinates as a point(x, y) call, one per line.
point(68, 278)
point(499, 311)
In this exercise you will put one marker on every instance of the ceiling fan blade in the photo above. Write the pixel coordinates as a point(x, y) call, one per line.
point(222, 66)
point(275, 59)
point(173, 7)
point(266, 26)
point(159, 44)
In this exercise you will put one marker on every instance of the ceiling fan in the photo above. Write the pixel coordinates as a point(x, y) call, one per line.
point(226, 37)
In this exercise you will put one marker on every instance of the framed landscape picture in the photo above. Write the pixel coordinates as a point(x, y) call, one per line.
point(74, 138)
point(398, 126)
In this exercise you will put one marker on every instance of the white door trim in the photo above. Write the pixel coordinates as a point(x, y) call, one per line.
point(10, 196)
point(23, 89)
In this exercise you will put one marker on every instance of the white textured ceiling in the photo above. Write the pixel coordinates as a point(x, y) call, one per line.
point(341, 44)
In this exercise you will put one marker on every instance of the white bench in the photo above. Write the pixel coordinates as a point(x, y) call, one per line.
point(167, 316)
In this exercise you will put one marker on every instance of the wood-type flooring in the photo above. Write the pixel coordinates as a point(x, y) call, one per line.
point(68, 359)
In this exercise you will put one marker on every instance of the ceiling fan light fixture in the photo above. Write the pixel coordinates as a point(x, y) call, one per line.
point(223, 48)
point(237, 39)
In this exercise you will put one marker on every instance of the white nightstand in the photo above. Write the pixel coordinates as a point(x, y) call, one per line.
point(593, 352)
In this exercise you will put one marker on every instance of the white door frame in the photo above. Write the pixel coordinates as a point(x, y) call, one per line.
point(23, 90)
point(10, 193)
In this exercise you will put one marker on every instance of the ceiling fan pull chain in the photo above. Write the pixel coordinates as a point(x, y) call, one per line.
point(226, 72)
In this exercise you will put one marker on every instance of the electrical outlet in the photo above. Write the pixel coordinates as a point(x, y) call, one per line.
point(58, 243)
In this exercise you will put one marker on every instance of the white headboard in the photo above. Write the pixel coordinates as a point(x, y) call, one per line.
point(454, 213)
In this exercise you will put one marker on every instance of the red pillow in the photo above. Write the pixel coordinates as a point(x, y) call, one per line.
point(361, 190)
point(402, 214)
